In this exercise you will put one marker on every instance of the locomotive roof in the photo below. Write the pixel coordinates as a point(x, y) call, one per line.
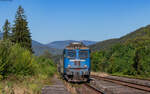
point(76, 45)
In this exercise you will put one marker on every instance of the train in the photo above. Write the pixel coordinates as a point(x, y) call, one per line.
point(75, 65)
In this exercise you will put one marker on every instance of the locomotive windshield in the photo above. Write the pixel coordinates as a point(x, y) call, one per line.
point(71, 54)
point(83, 54)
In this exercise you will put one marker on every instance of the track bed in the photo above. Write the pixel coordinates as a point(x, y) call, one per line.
point(57, 87)
point(121, 85)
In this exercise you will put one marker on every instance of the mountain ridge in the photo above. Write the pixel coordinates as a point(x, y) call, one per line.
point(40, 48)
point(106, 44)
point(63, 43)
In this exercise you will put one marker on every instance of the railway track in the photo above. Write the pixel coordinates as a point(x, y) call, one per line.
point(124, 83)
point(96, 90)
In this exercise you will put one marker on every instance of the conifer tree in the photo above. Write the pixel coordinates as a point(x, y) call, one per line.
point(6, 29)
point(21, 33)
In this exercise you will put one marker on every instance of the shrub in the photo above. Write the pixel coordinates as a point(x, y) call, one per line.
point(18, 61)
point(45, 66)
point(22, 61)
point(4, 54)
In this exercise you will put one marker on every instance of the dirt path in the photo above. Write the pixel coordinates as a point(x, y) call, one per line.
point(56, 88)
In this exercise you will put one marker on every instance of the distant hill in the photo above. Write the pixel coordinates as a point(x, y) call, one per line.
point(137, 33)
point(55, 48)
point(103, 44)
point(109, 43)
point(39, 48)
point(63, 44)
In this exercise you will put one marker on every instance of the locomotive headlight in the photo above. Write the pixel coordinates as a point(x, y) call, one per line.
point(69, 66)
point(85, 66)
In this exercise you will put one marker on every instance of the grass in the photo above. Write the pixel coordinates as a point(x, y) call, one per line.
point(131, 76)
point(24, 85)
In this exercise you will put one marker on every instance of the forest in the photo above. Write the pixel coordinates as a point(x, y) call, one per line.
point(129, 56)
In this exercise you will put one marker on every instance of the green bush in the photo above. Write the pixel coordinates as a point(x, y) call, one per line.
point(22, 61)
point(4, 55)
point(15, 60)
point(46, 66)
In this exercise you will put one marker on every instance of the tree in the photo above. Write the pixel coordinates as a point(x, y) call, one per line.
point(6, 29)
point(47, 54)
point(21, 33)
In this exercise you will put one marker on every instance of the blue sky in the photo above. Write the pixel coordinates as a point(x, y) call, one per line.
point(51, 20)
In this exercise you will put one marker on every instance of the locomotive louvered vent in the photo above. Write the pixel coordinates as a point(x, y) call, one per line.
point(83, 54)
point(71, 54)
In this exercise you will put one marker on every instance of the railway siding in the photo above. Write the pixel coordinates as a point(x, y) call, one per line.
point(112, 88)
point(130, 80)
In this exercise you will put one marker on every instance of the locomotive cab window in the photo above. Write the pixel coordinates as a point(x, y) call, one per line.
point(83, 54)
point(71, 54)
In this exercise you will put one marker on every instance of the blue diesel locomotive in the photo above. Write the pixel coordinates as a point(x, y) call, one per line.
point(75, 63)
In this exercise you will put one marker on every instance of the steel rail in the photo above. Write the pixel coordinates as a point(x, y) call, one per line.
point(124, 83)
point(93, 88)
